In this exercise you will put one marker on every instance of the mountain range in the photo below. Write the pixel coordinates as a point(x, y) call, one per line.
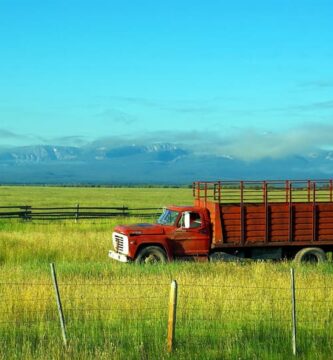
point(150, 164)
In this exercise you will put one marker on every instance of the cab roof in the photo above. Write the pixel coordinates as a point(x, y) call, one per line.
point(181, 208)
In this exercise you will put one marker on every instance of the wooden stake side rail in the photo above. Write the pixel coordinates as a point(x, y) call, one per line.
point(267, 191)
point(269, 224)
point(268, 213)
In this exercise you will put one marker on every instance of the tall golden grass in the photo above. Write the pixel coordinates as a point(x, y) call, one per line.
point(119, 311)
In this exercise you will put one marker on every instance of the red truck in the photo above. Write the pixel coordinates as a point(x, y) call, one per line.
point(235, 220)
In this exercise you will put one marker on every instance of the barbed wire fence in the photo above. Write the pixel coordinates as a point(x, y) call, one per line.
point(219, 318)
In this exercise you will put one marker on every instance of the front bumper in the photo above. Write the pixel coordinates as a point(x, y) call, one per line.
point(119, 257)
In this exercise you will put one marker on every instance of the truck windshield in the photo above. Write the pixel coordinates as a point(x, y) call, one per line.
point(168, 217)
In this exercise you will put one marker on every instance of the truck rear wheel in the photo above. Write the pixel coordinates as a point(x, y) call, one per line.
point(151, 255)
point(311, 255)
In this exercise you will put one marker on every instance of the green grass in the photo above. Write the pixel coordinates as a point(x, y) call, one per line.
point(92, 196)
point(119, 311)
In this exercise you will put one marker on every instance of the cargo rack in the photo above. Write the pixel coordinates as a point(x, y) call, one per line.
point(266, 191)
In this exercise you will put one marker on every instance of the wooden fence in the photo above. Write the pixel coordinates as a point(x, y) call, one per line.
point(27, 212)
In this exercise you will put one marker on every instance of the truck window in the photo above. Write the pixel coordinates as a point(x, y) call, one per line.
point(168, 217)
point(195, 220)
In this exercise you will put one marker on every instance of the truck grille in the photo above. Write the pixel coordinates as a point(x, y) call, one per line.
point(120, 243)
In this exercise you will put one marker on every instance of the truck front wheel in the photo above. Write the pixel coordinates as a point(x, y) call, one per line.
point(311, 255)
point(151, 255)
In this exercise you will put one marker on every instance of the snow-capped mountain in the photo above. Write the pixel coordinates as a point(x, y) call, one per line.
point(150, 163)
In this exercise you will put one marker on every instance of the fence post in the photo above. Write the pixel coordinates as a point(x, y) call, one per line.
point(77, 214)
point(60, 311)
point(27, 213)
point(293, 310)
point(172, 314)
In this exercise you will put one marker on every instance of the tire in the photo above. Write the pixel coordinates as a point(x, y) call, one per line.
point(151, 255)
point(311, 255)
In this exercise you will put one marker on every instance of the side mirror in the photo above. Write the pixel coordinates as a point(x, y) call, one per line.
point(187, 222)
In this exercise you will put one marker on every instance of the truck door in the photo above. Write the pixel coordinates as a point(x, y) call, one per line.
point(194, 240)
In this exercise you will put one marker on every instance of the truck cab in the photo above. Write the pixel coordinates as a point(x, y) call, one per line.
point(180, 231)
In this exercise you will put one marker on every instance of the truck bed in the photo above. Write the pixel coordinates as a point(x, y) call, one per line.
point(268, 214)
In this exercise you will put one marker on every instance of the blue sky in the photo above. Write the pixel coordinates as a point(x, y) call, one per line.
point(215, 75)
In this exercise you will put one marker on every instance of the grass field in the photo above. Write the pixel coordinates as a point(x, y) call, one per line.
point(119, 311)
point(93, 196)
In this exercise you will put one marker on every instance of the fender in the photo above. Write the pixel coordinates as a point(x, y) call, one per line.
point(163, 244)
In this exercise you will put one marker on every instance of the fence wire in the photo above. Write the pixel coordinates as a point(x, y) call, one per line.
point(219, 315)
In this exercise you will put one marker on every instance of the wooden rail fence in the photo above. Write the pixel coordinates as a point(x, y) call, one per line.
point(27, 212)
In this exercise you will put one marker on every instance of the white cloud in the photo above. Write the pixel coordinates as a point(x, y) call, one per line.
point(246, 144)
point(249, 144)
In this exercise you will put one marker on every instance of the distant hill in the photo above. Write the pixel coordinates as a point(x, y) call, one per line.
point(156, 163)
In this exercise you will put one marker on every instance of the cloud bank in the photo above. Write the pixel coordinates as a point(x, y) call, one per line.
point(250, 144)
point(246, 144)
